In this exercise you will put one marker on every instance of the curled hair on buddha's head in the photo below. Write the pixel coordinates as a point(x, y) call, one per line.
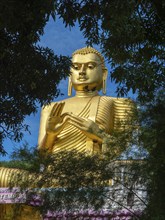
point(87, 50)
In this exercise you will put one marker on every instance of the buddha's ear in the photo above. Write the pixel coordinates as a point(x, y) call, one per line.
point(69, 87)
point(105, 74)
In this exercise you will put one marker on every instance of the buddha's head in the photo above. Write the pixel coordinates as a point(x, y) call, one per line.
point(88, 71)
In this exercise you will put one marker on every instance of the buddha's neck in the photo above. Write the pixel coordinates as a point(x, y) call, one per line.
point(86, 94)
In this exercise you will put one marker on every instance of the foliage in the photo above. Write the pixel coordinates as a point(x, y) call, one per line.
point(74, 177)
point(152, 138)
point(25, 158)
point(29, 73)
point(131, 35)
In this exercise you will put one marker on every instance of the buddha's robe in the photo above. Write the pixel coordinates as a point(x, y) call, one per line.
point(105, 111)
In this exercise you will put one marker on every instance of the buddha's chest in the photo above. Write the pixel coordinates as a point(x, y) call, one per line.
point(80, 105)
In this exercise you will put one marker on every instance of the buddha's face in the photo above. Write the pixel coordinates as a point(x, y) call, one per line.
point(86, 72)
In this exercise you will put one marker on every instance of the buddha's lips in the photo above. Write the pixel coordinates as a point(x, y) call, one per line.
point(82, 78)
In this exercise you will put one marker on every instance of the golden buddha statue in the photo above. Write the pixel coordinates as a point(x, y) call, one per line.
point(84, 121)
point(81, 122)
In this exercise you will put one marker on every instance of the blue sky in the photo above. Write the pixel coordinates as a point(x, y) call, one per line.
point(62, 41)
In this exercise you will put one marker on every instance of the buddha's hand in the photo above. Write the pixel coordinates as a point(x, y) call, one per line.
point(56, 120)
point(87, 126)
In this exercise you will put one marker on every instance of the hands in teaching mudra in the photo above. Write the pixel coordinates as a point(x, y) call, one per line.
point(57, 121)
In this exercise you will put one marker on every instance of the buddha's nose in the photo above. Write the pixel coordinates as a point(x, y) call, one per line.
point(82, 70)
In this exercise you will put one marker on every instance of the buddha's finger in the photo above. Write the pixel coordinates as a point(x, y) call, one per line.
point(62, 107)
point(53, 110)
point(58, 109)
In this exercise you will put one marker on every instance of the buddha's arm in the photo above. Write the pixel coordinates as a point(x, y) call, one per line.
point(54, 125)
point(124, 109)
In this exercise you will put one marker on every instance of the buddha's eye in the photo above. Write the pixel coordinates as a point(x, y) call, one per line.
point(91, 66)
point(75, 66)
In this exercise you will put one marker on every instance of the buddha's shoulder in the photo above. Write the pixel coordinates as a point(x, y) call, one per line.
point(116, 103)
point(116, 100)
point(48, 107)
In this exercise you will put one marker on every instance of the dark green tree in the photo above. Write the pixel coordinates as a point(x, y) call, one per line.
point(152, 139)
point(29, 73)
point(131, 35)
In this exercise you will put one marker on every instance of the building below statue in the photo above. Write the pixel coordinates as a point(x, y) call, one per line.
point(25, 205)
